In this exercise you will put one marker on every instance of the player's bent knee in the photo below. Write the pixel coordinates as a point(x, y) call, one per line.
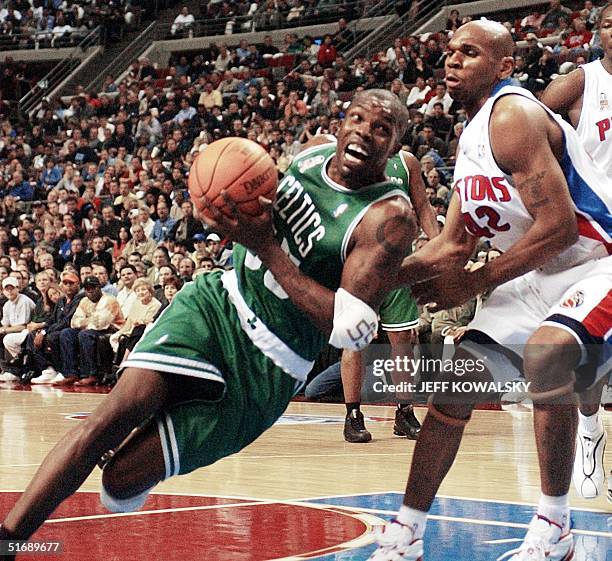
point(549, 360)
point(451, 415)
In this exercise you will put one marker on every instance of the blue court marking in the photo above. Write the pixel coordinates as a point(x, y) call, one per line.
point(475, 526)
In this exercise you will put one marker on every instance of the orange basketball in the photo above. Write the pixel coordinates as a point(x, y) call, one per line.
point(239, 166)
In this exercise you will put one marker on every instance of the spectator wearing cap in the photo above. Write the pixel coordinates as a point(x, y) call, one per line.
point(201, 251)
point(41, 315)
point(139, 243)
point(98, 314)
point(43, 348)
point(221, 255)
point(16, 314)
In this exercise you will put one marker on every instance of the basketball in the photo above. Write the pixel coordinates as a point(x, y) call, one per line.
point(241, 168)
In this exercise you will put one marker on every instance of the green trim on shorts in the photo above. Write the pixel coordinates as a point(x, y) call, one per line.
point(399, 311)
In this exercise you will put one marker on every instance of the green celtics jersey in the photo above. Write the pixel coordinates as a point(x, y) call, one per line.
point(314, 219)
point(397, 172)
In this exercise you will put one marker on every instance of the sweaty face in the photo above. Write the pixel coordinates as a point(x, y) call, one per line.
point(365, 142)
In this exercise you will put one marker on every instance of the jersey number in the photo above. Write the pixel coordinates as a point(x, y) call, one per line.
point(493, 222)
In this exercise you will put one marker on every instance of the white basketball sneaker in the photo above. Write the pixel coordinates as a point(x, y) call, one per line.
point(589, 475)
point(396, 543)
point(46, 376)
point(544, 541)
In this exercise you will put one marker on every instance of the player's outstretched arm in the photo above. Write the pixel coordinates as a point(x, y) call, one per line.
point(564, 95)
point(530, 154)
point(376, 250)
point(449, 251)
point(424, 211)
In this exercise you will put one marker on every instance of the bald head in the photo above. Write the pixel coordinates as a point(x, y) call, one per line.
point(491, 34)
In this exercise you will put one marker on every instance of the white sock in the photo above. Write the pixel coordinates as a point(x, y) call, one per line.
point(556, 509)
point(123, 505)
point(416, 519)
point(590, 423)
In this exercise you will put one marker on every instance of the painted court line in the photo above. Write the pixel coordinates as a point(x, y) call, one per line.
point(455, 497)
point(476, 521)
point(159, 511)
point(360, 541)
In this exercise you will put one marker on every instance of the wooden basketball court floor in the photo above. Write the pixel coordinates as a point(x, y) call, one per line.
point(299, 492)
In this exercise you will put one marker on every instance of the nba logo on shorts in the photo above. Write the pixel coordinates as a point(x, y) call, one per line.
point(574, 300)
point(603, 102)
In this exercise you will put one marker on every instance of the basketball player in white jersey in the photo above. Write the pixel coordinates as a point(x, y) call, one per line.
point(524, 181)
point(585, 96)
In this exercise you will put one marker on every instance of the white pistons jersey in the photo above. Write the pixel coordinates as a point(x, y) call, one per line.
point(595, 125)
point(491, 205)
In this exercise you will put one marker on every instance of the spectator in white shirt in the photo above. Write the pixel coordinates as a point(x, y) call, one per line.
point(183, 22)
point(416, 97)
point(126, 296)
point(441, 96)
point(186, 113)
point(16, 314)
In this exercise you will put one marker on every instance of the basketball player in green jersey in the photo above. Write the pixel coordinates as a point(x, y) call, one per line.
point(221, 363)
point(398, 312)
point(399, 317)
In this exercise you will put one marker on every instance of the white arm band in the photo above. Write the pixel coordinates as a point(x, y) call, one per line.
point(355, 323)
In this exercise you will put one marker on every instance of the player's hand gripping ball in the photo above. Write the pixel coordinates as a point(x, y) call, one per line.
point(241, 168)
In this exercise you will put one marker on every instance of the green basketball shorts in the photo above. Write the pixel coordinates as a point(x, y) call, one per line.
point(232, 392)
point(399, 311)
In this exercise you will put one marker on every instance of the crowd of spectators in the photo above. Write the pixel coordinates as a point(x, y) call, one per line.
point(227, 17)
point(60, 23)
point(97, 232)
